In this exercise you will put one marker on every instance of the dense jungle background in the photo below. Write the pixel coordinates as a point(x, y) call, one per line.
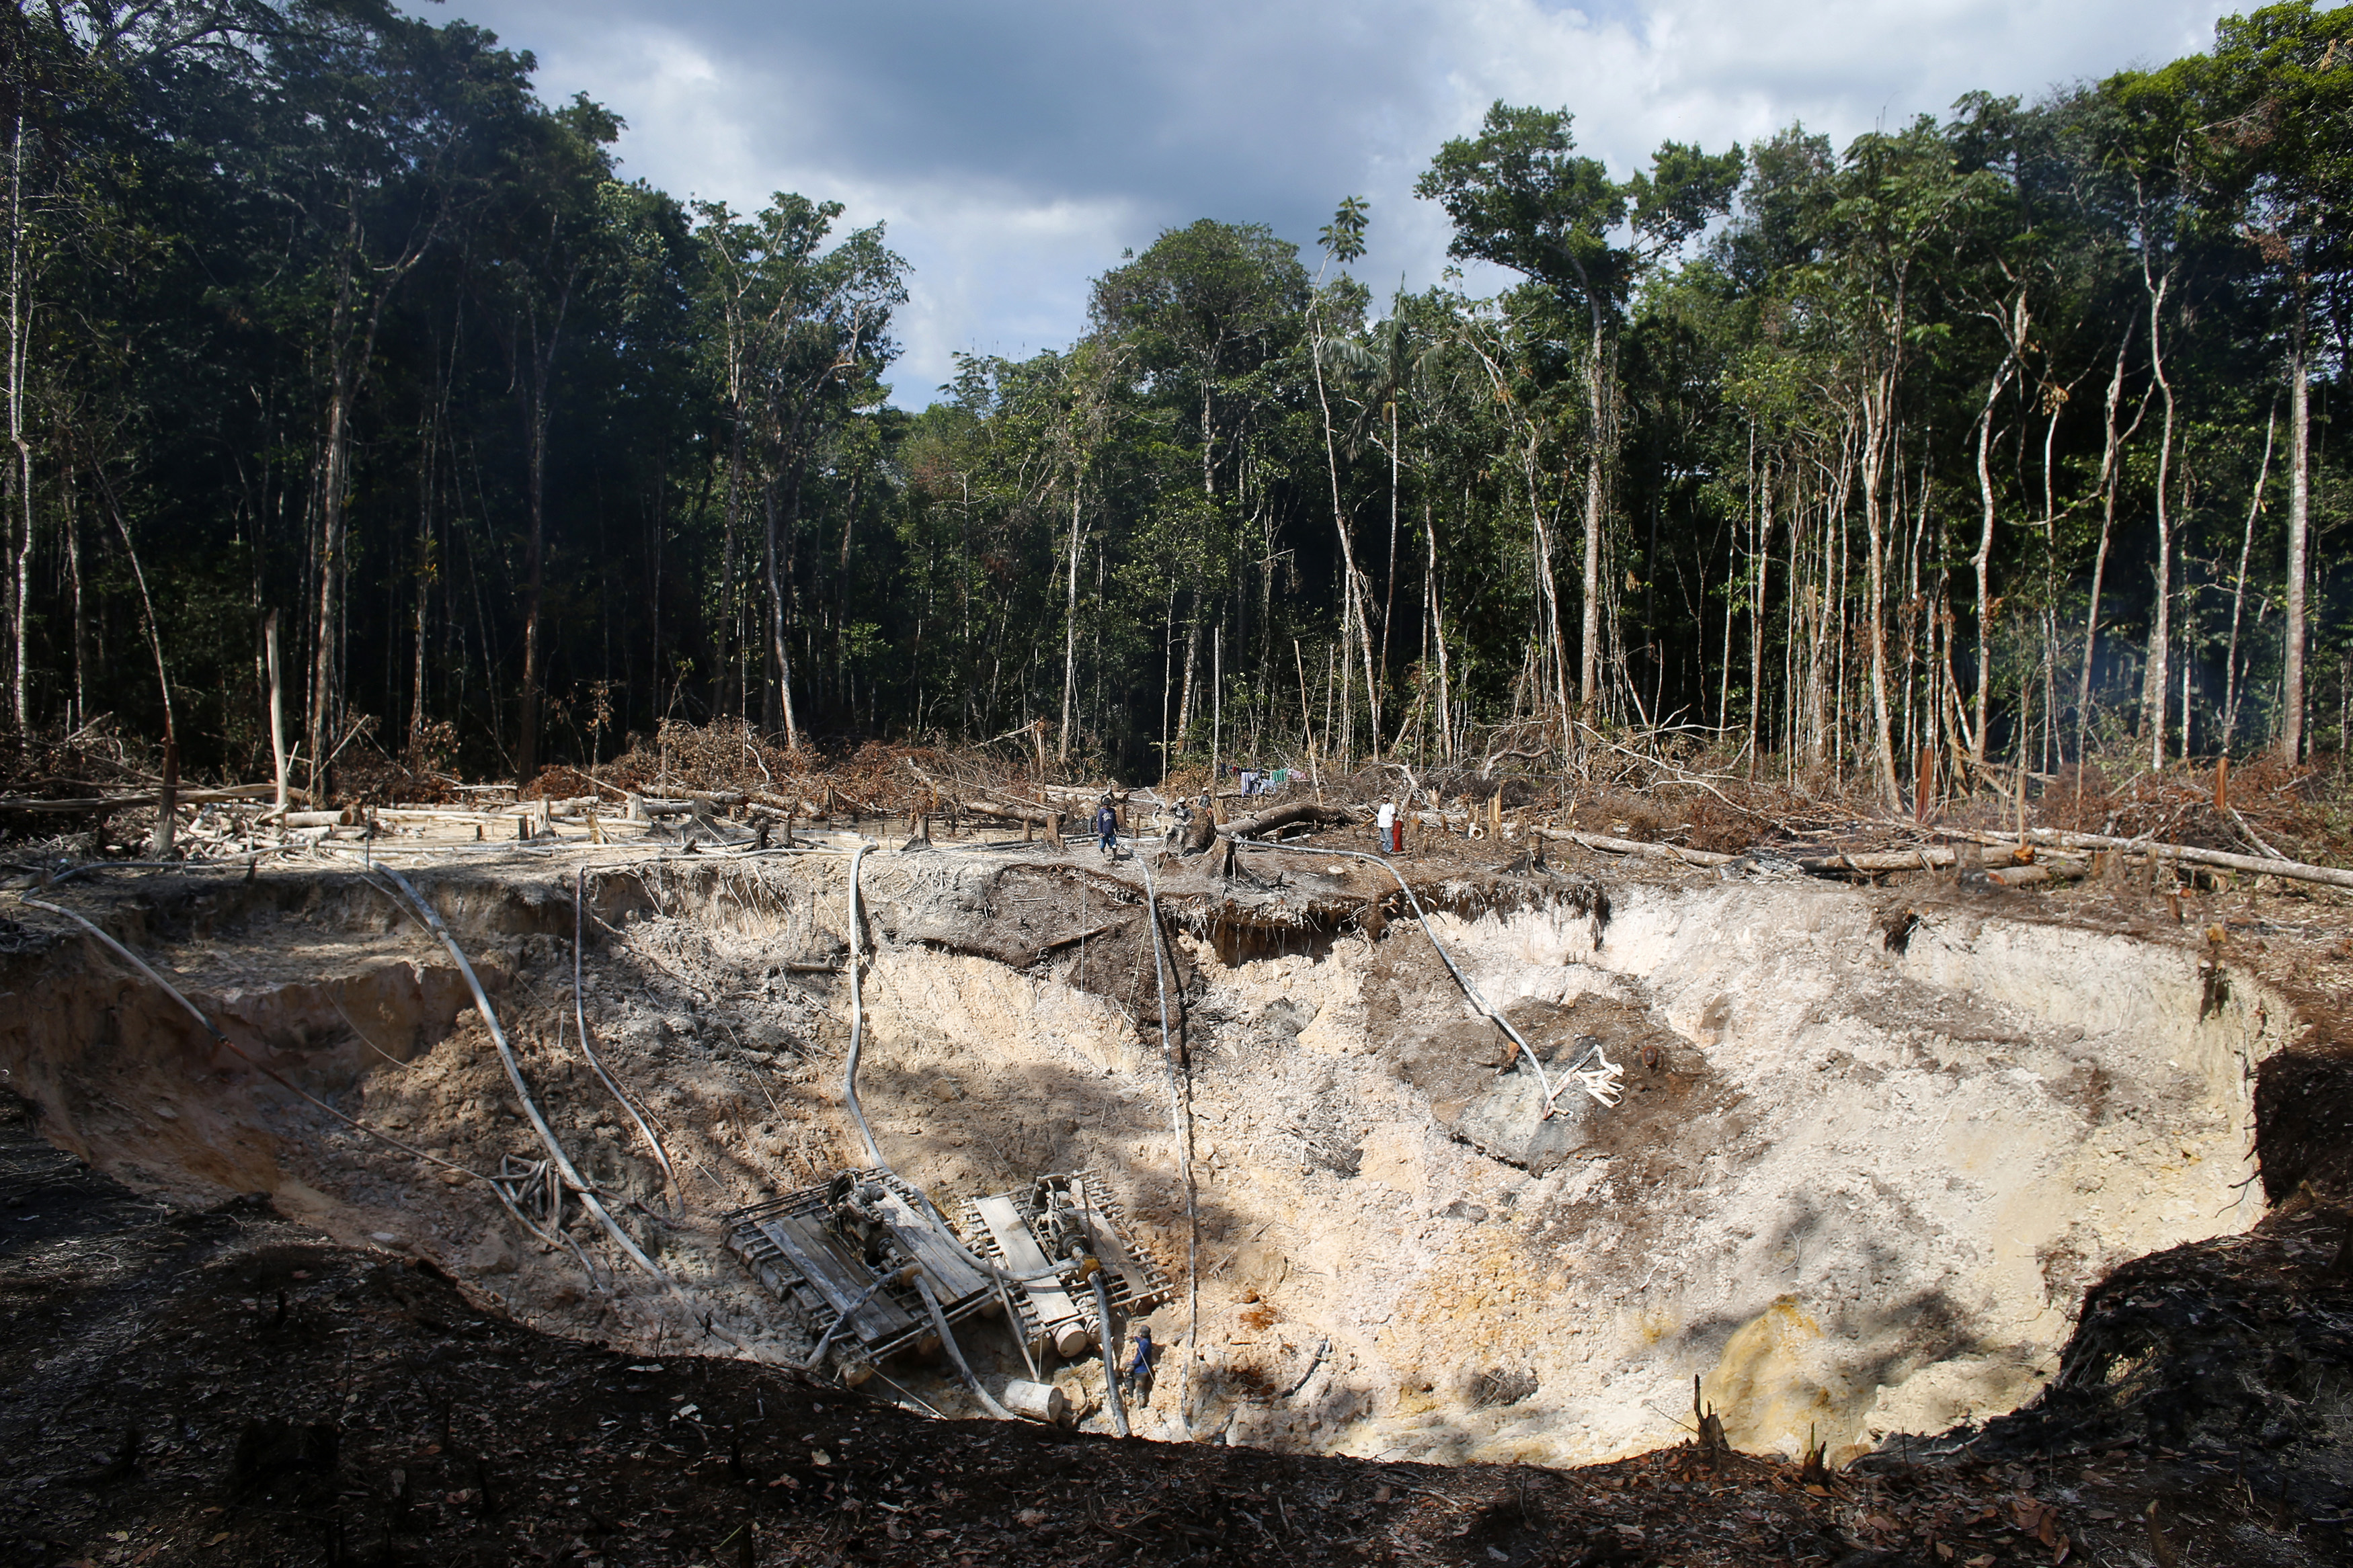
point(1994, 439)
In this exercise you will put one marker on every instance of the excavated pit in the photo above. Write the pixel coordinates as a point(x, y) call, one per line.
point(1868, 1157)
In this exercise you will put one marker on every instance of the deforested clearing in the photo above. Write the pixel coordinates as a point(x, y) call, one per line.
point(1323, 819)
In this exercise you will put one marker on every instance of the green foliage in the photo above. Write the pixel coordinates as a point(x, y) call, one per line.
point(646, 440)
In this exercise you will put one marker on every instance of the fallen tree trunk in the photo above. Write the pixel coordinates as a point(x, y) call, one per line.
point(1305, 810)
point(646, 806)
point(2293, 871)
point(999, 803)
point(231, 796)
point(2040, 871)
point(1636, 846)
point(1036, 815)
point(349, 817)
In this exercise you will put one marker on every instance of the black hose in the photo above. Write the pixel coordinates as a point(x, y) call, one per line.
point(1110, 1354)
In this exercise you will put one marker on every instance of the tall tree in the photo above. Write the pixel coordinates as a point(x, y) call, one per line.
point(1522, 197)
point(2276, 99)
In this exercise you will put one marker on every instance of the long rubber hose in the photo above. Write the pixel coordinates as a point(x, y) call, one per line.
point(858, 1022)
point(1461, 979)
point(1110, 1356)
point(588, 1048)
point(898, 1276)
point(955, 1354)
point(1181, 1120)
point(571, 1177)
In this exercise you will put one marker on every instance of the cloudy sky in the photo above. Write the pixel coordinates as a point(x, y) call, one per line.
point(1015, 148)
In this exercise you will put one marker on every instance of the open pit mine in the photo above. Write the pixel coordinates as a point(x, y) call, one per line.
point(1445, 1165)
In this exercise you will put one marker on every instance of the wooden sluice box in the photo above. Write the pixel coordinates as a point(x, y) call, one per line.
point(823, 1250)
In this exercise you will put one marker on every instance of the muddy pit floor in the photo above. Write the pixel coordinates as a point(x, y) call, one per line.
point(434, 1398)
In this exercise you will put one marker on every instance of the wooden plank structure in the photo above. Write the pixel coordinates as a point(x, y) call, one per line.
point(820, 1251)
point(1063, 1214)
point(1049, 1314)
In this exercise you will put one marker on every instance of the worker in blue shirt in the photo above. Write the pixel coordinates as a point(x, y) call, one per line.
point(1107, 828)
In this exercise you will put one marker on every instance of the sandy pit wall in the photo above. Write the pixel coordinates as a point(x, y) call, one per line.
point(1856, 1185)
point(1857, 1192)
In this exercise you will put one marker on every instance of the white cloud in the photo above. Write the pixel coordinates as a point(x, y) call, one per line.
point(1014, 149)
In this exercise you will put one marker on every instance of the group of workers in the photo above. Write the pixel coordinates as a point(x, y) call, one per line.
point(1388, 824)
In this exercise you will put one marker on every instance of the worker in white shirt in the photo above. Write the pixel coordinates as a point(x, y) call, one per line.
point(1392, 838)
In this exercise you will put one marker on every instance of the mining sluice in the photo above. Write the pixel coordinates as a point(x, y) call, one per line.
point(1051, 1234)
point(850, 1259)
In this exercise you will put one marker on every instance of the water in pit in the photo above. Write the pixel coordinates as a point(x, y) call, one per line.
point(1863, 1165)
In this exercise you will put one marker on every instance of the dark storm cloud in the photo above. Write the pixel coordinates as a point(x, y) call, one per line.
point(1014, 149)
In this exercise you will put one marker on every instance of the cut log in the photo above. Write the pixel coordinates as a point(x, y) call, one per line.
point(704, 803)
point(2293, 871)
point(167, 799)
point(2041, 871)
point(1298, 811)
point(1636, 846)
point(232, 796)
point(1922, 859)
point(1200, 834)
point(348, 816)
point(1004, 810)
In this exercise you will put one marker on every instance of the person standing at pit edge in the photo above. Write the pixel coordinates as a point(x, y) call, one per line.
point(1107, 828)
point(1392, 836)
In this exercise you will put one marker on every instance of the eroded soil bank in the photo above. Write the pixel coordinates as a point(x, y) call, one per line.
point(1871, 1148)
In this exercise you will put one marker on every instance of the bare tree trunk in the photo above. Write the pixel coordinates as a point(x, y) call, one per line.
point(69, 524)
point(20, 321)
point(1388, 600)
point(535, 581)
point(2153, 692)
point(277, 706)
point(1216, 703)
point(1981, 562)
point(331, 523)
point(1764, 541)
point(1589, 662)
point(727, 567)
point(1438, 633)
point(783, 550)
point(1192, 663)
point(772, 619)
point(539, 410)
point(1352, 611)
point(2238, 591)
point(350, 348)
point(1167, 687)
point(1555, 655)
point(163, 841)
point(2299, 502)
point(1071, 632)
point(1877, 438)
point(2111, 476)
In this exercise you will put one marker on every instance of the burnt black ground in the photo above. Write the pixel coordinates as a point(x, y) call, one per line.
point(227, 1387)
